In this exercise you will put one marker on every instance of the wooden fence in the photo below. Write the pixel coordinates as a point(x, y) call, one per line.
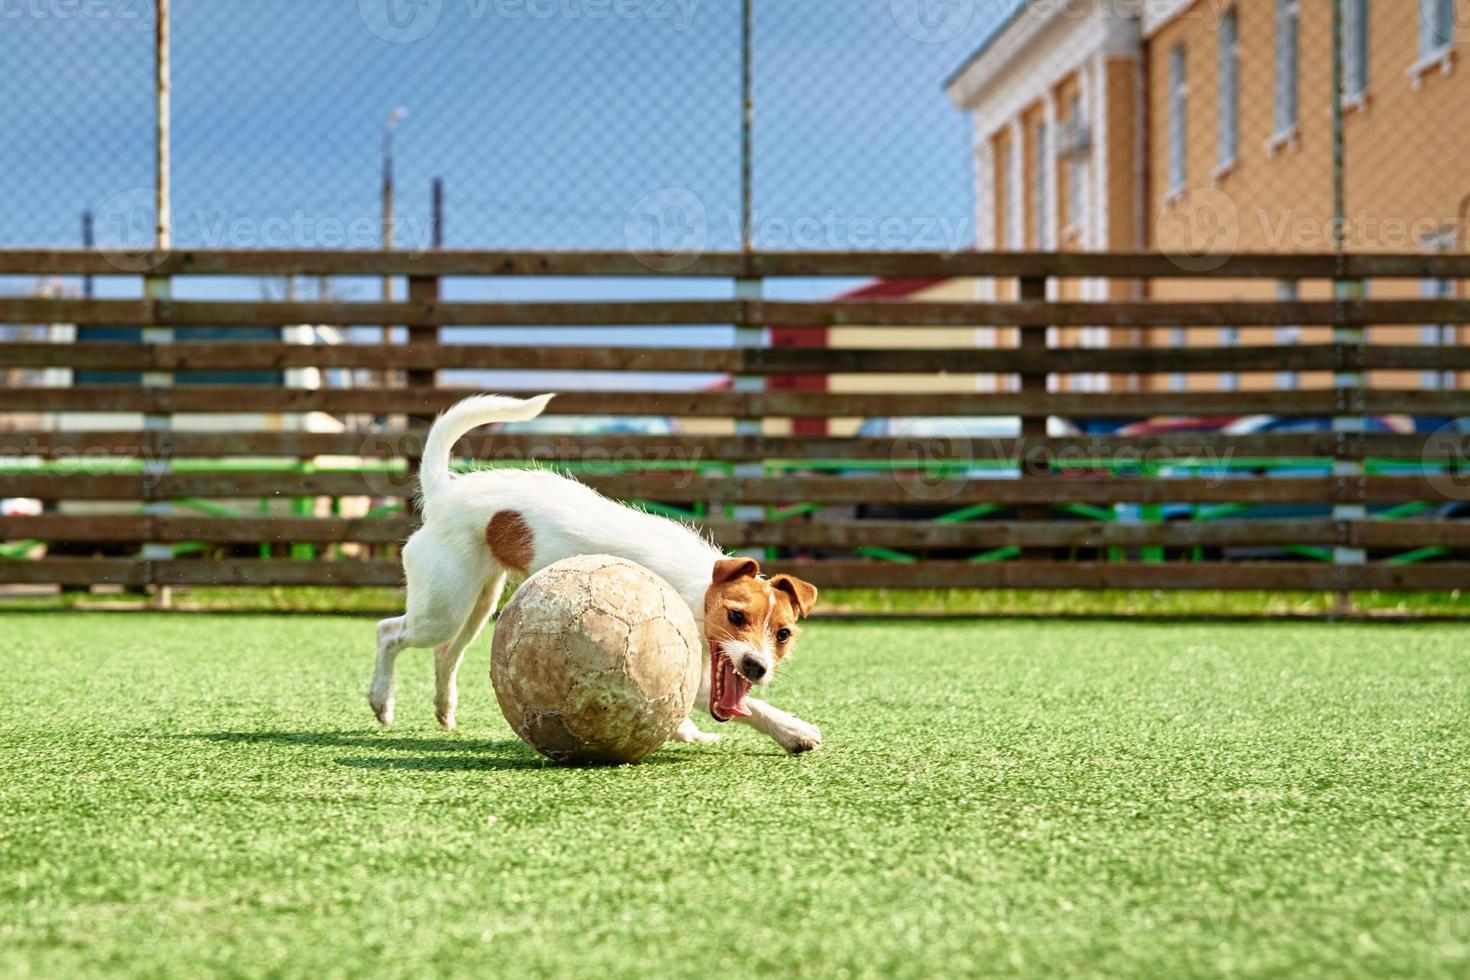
point(1334, 507)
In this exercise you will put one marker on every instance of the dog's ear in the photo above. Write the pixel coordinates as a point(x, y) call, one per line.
point(803, 594)
point(730, 569)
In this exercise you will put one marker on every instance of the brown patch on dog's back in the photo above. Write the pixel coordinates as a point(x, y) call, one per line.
point(510, 540)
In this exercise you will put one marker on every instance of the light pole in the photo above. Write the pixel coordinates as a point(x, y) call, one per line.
point(394, 118)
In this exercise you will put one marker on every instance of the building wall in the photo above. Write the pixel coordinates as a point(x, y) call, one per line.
point(1400, 181)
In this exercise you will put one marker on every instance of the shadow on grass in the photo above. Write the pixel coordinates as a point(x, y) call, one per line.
point(360, 739)
point(457, 754)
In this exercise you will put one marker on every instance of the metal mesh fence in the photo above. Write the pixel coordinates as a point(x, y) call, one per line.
point(546, 123)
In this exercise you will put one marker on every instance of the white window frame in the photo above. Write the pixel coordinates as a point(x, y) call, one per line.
point(1355, 54)
point(1178, 120)
point(1287, 102)
point(1228, 130)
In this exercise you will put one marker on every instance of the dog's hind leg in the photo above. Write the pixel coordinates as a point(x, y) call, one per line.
point(441, 592)
point(448, 656)
point(390, 644)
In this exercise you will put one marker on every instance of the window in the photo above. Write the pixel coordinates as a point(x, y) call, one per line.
point(1178, 139)
point(1286, 291)
point(1436, 27)
point(1229, 337)
point(1178, 338)
point(1355, 49)
point(1287, 17)
point(1229, 135)
point(1040, 205)
point(1437, 334)
point(1076, 167)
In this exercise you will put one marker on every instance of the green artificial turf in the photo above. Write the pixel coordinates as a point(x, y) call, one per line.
point(194, 795)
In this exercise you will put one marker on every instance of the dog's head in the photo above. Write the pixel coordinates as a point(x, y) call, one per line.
point(750, 621)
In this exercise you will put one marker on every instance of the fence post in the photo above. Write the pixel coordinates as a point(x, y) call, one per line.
point(1035, 460)
point(422, 290)
point(159, 289)
point(748, 287)
point(1350, 488)
point(749, 337)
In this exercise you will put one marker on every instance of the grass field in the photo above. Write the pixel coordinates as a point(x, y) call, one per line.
point(182, 795)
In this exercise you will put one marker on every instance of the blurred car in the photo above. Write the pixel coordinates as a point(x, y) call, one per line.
point(20, 507)
point(1284, 469)
point(961, 427)
point(593, 425)
point(1249, 425)
point(1168, 425)
point(936, 440)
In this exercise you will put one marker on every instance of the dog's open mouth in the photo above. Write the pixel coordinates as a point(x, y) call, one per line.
point(727, 689)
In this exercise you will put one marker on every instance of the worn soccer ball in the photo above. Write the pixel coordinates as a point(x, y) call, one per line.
point(595, 660)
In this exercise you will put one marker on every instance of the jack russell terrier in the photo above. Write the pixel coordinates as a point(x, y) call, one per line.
point(478, 527)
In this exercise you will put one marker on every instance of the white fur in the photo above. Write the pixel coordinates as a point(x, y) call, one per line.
point(454, 583)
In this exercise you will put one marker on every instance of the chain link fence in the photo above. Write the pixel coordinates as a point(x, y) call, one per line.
point(563, 124)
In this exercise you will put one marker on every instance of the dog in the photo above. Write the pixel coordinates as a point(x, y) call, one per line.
point(479, 527)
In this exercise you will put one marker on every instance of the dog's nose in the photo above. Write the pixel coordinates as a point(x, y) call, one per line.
point(752, 668)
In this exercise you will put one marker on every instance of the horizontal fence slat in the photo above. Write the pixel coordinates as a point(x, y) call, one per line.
point(231, 399)
point(129, 572)
point(222, 530)
point(845, 534)
point(904, 264)
point(1145, 313)
point(1270, 576)
point(897, 489)
point(200, 356)
point(1249, 576)
point(1203, 447)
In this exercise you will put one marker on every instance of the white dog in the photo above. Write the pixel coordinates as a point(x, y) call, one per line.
point(479, 526)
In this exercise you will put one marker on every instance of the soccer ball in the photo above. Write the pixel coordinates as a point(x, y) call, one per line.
point(595, 660)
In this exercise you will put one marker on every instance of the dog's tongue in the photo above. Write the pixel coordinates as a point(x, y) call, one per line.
point(727, 689)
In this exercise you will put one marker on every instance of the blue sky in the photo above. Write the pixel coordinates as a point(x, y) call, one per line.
point(553, 123)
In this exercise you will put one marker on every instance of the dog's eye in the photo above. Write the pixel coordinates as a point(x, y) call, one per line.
point(736, 617)
point(782, 635)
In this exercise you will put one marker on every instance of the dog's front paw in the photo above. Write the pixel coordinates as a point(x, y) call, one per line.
point(382, 708)
point(800, 737)
point(689, 734)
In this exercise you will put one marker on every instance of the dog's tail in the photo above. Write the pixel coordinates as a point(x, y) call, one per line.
point(461, 418)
